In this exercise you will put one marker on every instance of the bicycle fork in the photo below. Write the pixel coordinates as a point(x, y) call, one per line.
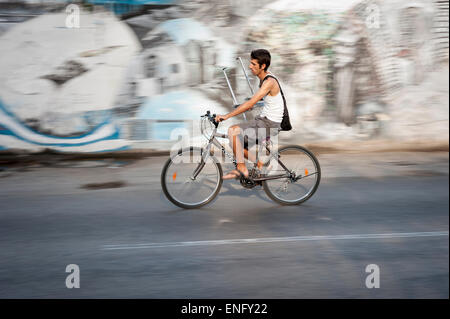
point(203, 159)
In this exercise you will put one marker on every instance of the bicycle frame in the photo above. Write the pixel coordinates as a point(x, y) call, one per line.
point(213, 141)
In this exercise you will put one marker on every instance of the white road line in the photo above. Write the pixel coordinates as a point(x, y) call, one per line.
point(273, 240)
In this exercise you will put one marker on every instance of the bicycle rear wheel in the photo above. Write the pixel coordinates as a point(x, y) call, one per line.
point(178, 181)
point(301, 175)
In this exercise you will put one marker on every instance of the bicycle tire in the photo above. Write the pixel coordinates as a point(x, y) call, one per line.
point(272, 196)
point(179, 203)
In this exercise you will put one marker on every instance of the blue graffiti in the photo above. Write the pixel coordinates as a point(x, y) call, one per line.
point(12, 126)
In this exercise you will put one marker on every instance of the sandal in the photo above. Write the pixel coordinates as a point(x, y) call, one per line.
point(236, 173)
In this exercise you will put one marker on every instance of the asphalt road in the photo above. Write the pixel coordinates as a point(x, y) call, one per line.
point(391, 210)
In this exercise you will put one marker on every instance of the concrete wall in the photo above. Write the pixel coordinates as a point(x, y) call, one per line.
point(351, 70)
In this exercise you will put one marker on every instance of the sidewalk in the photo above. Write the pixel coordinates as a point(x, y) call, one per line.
point(49, 158)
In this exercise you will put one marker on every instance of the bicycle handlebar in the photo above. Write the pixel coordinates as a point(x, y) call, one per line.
point(212, 118)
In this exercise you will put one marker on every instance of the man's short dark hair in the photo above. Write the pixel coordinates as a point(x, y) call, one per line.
point(262, 56)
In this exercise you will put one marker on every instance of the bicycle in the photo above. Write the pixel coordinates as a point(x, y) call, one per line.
point(192, 177)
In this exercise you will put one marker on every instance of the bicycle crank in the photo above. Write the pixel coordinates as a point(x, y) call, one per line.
point(247, 183)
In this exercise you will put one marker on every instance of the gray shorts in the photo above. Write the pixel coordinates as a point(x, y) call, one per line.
point(257, 130)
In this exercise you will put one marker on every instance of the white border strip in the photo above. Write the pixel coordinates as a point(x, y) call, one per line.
point(273, 240)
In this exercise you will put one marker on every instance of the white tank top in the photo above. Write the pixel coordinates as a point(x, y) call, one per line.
point(273, 107)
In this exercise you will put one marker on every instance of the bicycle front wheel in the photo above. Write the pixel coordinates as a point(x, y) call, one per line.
point(301, 175)
point(190, 182)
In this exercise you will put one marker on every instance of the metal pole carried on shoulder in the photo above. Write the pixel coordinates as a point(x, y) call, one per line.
point(236, 104)
point(246, 76)
point(259, 103)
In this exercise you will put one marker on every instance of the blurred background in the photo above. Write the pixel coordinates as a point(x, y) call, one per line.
point(107, 75)
point(91, 93)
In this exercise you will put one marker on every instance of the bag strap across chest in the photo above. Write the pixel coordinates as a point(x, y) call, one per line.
point(281, 91)
point(285, 123)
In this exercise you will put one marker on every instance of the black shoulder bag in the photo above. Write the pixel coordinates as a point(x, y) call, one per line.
point(285, 122)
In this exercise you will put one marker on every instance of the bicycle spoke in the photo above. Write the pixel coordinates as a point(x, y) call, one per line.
point(283, 187)
point(210, 183)
point(305, 189)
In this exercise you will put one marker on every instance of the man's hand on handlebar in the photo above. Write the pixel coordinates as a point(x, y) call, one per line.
point(220, 118)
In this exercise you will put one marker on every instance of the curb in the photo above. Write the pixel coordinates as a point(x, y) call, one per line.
point(49, 156)
point(378, 146)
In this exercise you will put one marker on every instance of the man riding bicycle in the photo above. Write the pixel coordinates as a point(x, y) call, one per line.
point(291, 173)
point(269, 120)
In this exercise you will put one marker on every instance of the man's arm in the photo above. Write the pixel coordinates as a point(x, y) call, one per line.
point(262, 92)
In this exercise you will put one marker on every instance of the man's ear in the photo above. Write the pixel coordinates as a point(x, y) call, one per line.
point(263, 66)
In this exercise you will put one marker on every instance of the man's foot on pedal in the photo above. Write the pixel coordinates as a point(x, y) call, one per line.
point(263, 168)
point(259, 165)
point(242, 169)
point(234, 174)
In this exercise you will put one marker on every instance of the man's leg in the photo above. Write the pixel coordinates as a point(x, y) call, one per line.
point(238, 150)
point(261, 133)
point(252, 157)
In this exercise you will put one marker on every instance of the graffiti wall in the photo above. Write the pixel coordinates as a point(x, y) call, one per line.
point(96, 76)
point(17, 136)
